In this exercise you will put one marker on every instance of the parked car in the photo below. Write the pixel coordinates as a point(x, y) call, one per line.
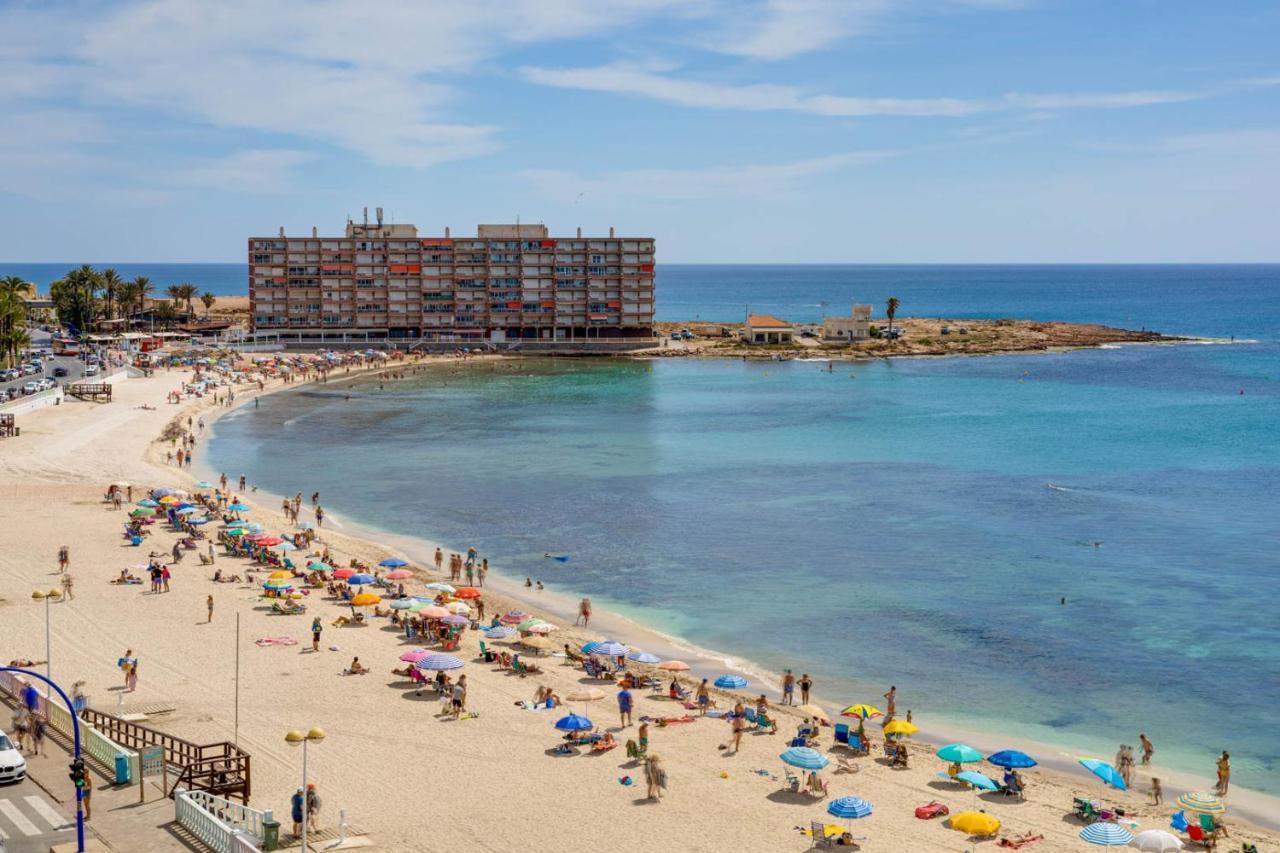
point(91, 370)
point(47, 383)
point(31, 387)
point(13, 392)
point(29, 370)
point(59, 372)
point(13, 767)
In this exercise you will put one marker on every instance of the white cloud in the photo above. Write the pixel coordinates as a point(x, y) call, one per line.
point(741, 181)
point(641, 82)
point(250, 170)
point(779, 29)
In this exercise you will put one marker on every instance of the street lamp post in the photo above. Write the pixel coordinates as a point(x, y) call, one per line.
point(294, 738)
point(51, 595)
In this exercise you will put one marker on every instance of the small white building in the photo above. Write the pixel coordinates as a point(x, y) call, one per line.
point(856, 327)
point(764, 329)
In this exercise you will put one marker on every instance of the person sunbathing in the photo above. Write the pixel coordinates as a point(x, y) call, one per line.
point(381, 611)
point(676, 692)
point(405, 671)
point(357, 668)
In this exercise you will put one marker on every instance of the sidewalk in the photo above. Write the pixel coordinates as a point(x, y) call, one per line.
point(119, 821)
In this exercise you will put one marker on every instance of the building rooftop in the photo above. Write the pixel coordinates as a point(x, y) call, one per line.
point(766, 321)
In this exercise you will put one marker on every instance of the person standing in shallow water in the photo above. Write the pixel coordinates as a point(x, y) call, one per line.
point(1224, 774)
point(788, 687)
point(806, 684)
point(1148, 749)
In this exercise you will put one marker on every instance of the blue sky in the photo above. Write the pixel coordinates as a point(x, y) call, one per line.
point(745, 131)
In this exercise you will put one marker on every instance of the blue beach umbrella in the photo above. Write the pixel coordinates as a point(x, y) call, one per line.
point(609, 648)
point(588, 648)
point(1106, 834)
point(849, 808)
point(393, 563)
point(360, 579)
point(438, 661)
point(1105, 772)
point(731, 682)
point(959, 753)
point(643, 657)
point(574, 723)
point(238, 507)
point(401, 604)
point(1011, 758)
point(188, 510)
point(499, 632)
point(804, 757)
point(197, 521)
point(977, 780)
point(255, 527)
point(148, 503)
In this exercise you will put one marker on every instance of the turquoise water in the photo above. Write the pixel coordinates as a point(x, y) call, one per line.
point(912, 522)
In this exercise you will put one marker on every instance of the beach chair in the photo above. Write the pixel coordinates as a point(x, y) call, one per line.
point(844, 764)
point(818, 836)
point(842, 734)
point(1211, 827)
point(790, 782)
point(797, 741)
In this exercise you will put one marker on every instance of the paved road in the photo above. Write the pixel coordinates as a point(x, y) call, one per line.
point(74, 367)
point(30, 822)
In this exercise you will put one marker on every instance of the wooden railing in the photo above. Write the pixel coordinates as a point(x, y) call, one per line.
point(219, 768)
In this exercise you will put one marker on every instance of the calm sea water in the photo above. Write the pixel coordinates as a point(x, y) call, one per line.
point(913, 522)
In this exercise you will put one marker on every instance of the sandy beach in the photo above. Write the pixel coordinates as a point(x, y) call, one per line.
point(409, 777)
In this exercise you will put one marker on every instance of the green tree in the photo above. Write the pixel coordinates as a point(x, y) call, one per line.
point(208, 299)
point(13, 318)
point(142, 290)
point(75, 297)
point(890, 309)
point(112, 284)
point(166, 313)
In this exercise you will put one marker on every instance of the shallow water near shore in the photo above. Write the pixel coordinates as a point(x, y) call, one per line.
point(913, 522)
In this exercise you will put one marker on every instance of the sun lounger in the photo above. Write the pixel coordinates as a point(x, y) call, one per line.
point(844, 765)
point(818, 836)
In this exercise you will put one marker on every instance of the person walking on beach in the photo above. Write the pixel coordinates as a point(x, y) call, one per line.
point(739, 724)
point(890, 703)
point(1157, 793)
point(319, 516)
point(459, 696)
point(66, 587)
point(1148, 749)
point(1224, 774)
point(223, 480)
point(131, 680)
point(703, 698)
point(806, 684)
point(164, 577)
point(788, 687)
point(584, 612)
point(439, 559)
point(209, 603)
point(315, 499)
point(313, 808)
point(624, 706)
point(654, 776)
point(315, 634)
point(242, 483)
point(64, 558)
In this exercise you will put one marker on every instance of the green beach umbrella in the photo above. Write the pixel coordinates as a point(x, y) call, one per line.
point(141, 513)
point(960, 753)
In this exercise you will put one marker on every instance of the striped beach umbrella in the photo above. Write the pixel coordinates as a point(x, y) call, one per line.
point(528, 624)
point(804, 757)
point(544, 629)
point(398, 575)
point(1202, 803)
point(499, 632)
point(147, 502)
point(438, 661)
point(587, 647)
point(402, 604)
point(1106, 834)
point(514, 617)
point(849, 808)
point(438, 586)
point(731, 682)
point(610, 649)
point(457, 608)
point(455, 619)
point(642, 657)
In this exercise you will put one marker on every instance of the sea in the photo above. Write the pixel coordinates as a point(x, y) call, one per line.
point(1067, 547)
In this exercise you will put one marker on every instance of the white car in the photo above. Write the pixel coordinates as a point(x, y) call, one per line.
point(30, 387)
point(13, 767)
point(91, 370)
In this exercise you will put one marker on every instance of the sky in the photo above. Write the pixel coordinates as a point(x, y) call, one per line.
point(750, 131)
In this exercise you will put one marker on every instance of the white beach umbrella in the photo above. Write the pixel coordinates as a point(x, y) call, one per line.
point(1156, 841)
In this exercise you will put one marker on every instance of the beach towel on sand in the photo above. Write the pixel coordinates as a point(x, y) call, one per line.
point(275, 641)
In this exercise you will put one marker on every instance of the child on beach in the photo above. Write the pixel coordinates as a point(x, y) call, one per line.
point(1157, 793)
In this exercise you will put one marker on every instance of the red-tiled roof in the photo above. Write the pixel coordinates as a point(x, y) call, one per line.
point(765, 321)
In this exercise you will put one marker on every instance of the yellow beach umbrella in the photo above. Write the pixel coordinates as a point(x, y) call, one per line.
point(1202, 803)
point(279, 575)
point(863, 711)
point(814, 711)
point(364, 599)
point(168, 499)
point(975, 823)
point(536, 642)
point(901, 727)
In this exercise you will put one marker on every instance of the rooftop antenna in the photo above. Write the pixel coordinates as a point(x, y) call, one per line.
point(366, 219)
point(379, 217)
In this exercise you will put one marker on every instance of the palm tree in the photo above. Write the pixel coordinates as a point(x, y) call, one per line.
point(166, 313)
point(13, 318)
point(207, 300)
point(75, 297)
point(890, 309)
point(189, 292)
point(112, 283)
point(142, 290)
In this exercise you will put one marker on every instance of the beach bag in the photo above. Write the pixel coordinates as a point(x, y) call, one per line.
point(931, 810)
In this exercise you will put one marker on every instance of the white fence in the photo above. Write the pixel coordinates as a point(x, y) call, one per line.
point(224, 826)
point(92, 741)
point(31, 402)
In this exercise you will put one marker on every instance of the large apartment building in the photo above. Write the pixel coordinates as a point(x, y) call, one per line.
point(509, 282)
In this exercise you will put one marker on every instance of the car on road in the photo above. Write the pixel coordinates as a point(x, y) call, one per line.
point(91, 370)
point(59, 372)
point(11, 373)
point(13, 767)
point(31, 387)
point(13, 392)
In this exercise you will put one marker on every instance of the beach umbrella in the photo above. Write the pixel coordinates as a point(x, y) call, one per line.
point(236, 532)
point(398, 575)
point(1156, 841)
point(1009, 759)
point(319, 567)
point(515, 617)
point(157, 493)
point(977, 780)
point(499, 632)
point(804, 757)
point(343, 574)
point(238, 507)
point(959, 753)
point(585, 694)
point(275, 576)
point(1202, 803)
point(141, 513)
point(365, 599)
point(900, 727)
point(467, 593)
point(254, 527)
point(393, 563)
point(574, 723)
point(431, 611)
point(975, 823)
point(440, 587)
point(864, 712)
point(731, 682)
point(849, 808)
point(284, 547)
point(1105, 772)
point(674, 666)
point(187, 510)
point(458, 608)
point(360, 578)
point(268, 541)
point(610, 649)
point(147, 502)
point(528, 624)
point(587, 647)
point(455, 619)
point(438, 661)
point(544, 629)
point(170, 499)
point(1106, 834)
point(197, 521)
point(276, 585)
point(402, 604)
point(535, 642)
point(642, 657)
point(203, 484)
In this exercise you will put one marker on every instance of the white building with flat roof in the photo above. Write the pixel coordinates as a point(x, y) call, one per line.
point(856, 327)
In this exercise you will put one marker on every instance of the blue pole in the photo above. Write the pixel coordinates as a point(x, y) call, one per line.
point(75, 729)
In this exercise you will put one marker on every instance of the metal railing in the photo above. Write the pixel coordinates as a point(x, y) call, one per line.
point(94, 742)
point(209, 819)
